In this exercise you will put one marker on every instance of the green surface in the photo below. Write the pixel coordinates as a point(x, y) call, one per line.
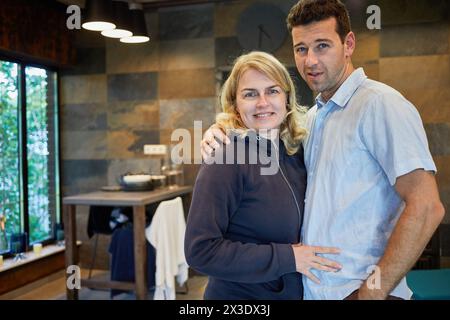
point(429, 284)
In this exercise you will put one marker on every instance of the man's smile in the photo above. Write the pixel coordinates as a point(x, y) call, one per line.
point(314, 75)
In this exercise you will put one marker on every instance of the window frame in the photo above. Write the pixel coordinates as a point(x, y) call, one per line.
point(22, 63)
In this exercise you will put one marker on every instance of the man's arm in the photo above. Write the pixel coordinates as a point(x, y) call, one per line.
point(420, 218)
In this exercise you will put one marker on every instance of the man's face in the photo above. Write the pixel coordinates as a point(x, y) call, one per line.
point(322, 59)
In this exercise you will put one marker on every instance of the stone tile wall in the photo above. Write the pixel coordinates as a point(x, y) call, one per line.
point(120, 97)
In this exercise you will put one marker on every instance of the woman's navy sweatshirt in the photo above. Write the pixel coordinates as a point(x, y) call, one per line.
point(241, 224)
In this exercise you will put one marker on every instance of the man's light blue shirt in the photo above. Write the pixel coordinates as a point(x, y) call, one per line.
point(360, 141)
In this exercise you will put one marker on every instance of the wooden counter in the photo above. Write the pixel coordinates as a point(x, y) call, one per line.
point(137, 200)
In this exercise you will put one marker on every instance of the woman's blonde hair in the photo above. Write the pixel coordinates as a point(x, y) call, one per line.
point(292, 131)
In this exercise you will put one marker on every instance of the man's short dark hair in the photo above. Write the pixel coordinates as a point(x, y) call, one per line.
point(308, 11)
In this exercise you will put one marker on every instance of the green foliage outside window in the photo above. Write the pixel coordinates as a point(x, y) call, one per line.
point(9, 149)
point(37, 154)
point(40, 160)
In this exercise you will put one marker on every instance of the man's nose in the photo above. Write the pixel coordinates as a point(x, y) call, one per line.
point(311, 59)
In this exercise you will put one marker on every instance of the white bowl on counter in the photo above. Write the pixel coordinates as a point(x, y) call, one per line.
point(137, 178)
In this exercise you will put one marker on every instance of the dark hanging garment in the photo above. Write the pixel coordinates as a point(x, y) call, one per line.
point(122, 258)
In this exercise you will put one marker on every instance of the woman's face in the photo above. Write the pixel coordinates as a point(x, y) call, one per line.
point(261, 102)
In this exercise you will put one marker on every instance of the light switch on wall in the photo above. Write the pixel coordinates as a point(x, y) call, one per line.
point(155, 149)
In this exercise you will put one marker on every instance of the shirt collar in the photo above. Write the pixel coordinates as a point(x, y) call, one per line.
point(346, 90)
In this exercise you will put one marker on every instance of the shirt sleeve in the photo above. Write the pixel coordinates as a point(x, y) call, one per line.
point(393, 132)
point(216, 197)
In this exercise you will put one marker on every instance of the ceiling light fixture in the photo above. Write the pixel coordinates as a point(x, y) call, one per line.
point(122, 19)
point(98, 15)
point(139, 27)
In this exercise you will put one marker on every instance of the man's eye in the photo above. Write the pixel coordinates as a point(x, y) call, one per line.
point(323, 46)
point(301, 50)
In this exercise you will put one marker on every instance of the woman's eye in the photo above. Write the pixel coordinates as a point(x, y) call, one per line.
point(274, 91)
point(249, 94)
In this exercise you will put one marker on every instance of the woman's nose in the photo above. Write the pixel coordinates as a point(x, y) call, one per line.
point(262, 100)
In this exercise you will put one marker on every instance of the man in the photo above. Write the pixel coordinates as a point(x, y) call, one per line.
point(371, 186)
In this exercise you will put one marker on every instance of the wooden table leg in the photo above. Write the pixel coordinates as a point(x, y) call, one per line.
point(140, 252)
point(70, 236)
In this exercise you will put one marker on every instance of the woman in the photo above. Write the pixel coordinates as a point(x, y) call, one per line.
point(244, 226)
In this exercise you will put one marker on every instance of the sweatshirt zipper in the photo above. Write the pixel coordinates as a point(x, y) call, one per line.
point(289, 186)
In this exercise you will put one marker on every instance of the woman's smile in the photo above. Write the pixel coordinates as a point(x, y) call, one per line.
point(264, 115)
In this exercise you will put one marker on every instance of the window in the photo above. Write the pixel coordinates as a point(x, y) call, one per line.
point(29, 170)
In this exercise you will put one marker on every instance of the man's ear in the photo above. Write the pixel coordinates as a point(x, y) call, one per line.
point(349, 44)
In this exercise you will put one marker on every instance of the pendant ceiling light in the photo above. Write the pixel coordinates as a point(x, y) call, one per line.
point(98, 15)
point(122, 20)
point(139, 27)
